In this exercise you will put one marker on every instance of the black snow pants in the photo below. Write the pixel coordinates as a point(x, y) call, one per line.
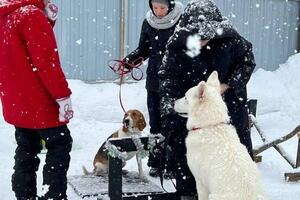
point(153, 104)
point(58, 142)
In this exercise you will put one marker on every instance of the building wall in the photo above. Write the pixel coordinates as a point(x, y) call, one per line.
point(89, 32)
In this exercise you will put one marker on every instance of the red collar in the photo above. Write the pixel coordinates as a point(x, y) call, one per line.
point(199, 128)
point(195, 129)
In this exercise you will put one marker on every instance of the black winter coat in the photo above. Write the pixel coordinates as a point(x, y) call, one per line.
point(231, 55)
point(152, 45)
point(226, 52)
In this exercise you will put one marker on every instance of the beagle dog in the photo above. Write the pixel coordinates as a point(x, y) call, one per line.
point(133, 124)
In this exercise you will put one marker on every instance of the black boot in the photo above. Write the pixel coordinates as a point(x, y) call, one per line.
point(59, 144)
point(26, 164)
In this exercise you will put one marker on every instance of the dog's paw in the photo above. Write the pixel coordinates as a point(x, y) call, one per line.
point(99, 173)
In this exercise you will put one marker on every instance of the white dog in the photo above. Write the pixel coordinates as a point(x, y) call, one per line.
point(221, 165)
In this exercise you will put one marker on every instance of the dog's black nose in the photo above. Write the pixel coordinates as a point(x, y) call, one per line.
point(126, 121)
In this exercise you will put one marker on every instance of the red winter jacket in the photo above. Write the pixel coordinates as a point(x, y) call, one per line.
point(31, 78)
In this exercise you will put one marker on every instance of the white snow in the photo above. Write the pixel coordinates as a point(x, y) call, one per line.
point(193, 45)
point(98, 114)
point(79, 41)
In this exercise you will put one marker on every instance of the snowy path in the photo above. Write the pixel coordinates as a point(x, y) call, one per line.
point(98, 114)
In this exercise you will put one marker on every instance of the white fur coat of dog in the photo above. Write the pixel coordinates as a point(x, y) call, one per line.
point(221, 165)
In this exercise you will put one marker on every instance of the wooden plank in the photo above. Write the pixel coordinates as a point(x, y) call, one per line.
point(298, 153)
point(257, 159)
point(292, 177)
point(162, 196)
point(284, 155)
point(126, 144)
point(115, 178)
point(277, 141)
point(115, 171)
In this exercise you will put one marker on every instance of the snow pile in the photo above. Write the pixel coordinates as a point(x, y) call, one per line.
point(98, 114)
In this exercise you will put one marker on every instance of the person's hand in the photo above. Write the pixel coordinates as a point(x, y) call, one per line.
point(126, 65)
point(223, 88)
point(51, 11)
point(172, 124)
point(65, 109)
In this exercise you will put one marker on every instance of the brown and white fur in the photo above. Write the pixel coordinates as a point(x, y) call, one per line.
point(133, 124)
point(221, 165)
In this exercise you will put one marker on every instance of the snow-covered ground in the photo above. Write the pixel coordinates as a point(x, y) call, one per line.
point(98, 114)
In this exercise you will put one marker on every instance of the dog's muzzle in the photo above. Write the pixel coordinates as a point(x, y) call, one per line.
point(126, 122)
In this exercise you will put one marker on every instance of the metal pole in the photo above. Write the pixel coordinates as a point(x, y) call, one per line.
point(123, 28)
point(299, 30)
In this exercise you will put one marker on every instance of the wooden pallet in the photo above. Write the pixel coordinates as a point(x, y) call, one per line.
point(289, 177)
point(292, 177)
point(97, 186)
point(115, 174)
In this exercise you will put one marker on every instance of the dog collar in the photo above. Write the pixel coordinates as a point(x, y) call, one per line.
point(199, 128)
point(195, 129)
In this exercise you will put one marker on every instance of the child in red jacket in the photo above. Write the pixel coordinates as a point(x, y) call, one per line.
point(35, 96)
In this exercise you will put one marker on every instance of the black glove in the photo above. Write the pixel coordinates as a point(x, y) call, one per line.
point(126, 62)
point(174, 131)
point(172, 125)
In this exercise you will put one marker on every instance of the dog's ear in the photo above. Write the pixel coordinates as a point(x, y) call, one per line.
point(141, 122)
point(213, 80)
point(201, 89)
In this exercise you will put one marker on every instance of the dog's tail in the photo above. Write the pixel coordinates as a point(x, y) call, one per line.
point(85, 171)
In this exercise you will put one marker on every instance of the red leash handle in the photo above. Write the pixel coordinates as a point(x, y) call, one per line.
point(122, 67)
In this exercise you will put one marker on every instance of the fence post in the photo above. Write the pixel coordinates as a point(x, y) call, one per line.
point(115, 178)
point(298, 152)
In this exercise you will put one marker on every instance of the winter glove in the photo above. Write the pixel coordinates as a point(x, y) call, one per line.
point(126, 61)
point(174, 130)
point(65, 109)
point(51, 11)
point(173, 126)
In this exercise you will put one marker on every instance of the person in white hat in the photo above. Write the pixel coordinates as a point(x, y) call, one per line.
point(157, 27)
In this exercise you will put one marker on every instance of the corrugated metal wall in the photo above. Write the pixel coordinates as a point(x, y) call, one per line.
point(89, 32)
point(271, 25)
